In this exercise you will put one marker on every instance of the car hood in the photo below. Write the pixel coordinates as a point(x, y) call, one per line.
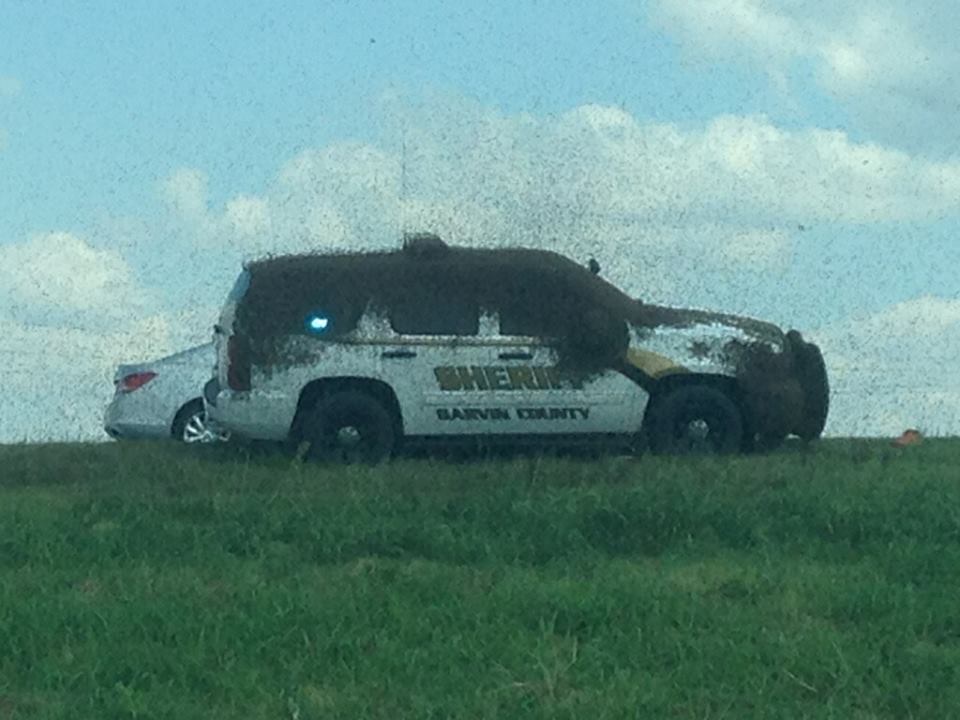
point(655, 317)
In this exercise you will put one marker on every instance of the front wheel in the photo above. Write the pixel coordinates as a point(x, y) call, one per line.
point(697, 419)
point(350, 427)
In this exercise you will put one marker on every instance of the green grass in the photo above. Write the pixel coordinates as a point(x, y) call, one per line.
point(155, 581)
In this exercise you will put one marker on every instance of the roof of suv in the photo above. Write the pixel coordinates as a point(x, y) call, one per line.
point(463, 268)
point(283, 288)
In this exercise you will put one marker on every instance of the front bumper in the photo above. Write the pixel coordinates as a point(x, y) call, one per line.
point(811, 373)
point(787, 393)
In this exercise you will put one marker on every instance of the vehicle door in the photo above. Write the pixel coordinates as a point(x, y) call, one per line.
point(435, 359)
point(537, 321)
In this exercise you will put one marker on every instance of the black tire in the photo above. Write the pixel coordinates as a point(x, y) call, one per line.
point(695, 419)
point(349, 426)
point(812, 373)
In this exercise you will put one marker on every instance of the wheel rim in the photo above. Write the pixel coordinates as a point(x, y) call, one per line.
point(197, 430)
point(351, 441)
point(699, 431)
point(348, 436)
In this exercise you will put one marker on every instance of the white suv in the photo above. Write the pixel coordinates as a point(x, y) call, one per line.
point(353, 354)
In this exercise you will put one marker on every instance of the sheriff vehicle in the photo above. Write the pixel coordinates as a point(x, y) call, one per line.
point(349, 355)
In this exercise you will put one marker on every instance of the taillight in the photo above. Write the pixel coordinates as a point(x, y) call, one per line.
point(129, 383)
point(238, 364)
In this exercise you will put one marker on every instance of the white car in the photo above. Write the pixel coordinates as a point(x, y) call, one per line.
point(162, 399)
point(353, 354)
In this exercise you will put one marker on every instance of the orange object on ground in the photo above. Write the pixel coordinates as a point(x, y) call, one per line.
point(909, 437)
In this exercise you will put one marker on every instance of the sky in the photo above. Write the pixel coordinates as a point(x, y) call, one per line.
point(783, 159)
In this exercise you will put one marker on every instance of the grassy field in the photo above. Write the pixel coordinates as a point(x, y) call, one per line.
point(155, 581)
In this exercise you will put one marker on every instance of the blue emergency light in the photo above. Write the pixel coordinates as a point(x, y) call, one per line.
point(318, 323)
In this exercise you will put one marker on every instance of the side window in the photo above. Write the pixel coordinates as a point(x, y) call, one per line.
point(322, 305)
point(536, 308)
point(528, 320)
point(330, 317)
point(435, 311)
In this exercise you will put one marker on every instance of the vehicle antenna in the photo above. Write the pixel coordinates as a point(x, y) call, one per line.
point(403, 181)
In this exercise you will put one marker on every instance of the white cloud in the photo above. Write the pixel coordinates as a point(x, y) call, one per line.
point(588, 180)
point(892, 65)
point(59, 277)
point(717, 26)
point(677, 214)
point(847, 63)
point(248, 216)
point(69, 313)
point(186, 191)
point(57, 380)
point(597, 161)
point(893, 370)
point(924, 317)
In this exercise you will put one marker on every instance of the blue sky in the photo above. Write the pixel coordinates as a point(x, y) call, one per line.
point(753, 156)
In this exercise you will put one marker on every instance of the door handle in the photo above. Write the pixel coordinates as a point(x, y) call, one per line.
point(516, 356)
point(395, 354)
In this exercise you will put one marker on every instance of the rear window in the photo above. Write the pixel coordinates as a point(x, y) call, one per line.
point(435, 316)
point(299, 300)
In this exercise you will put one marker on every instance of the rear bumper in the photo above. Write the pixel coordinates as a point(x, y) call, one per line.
point(127, 431)
point(127, 418)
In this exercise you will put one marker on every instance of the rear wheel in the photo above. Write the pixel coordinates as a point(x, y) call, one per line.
point(349, 426)
point(696, 419)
